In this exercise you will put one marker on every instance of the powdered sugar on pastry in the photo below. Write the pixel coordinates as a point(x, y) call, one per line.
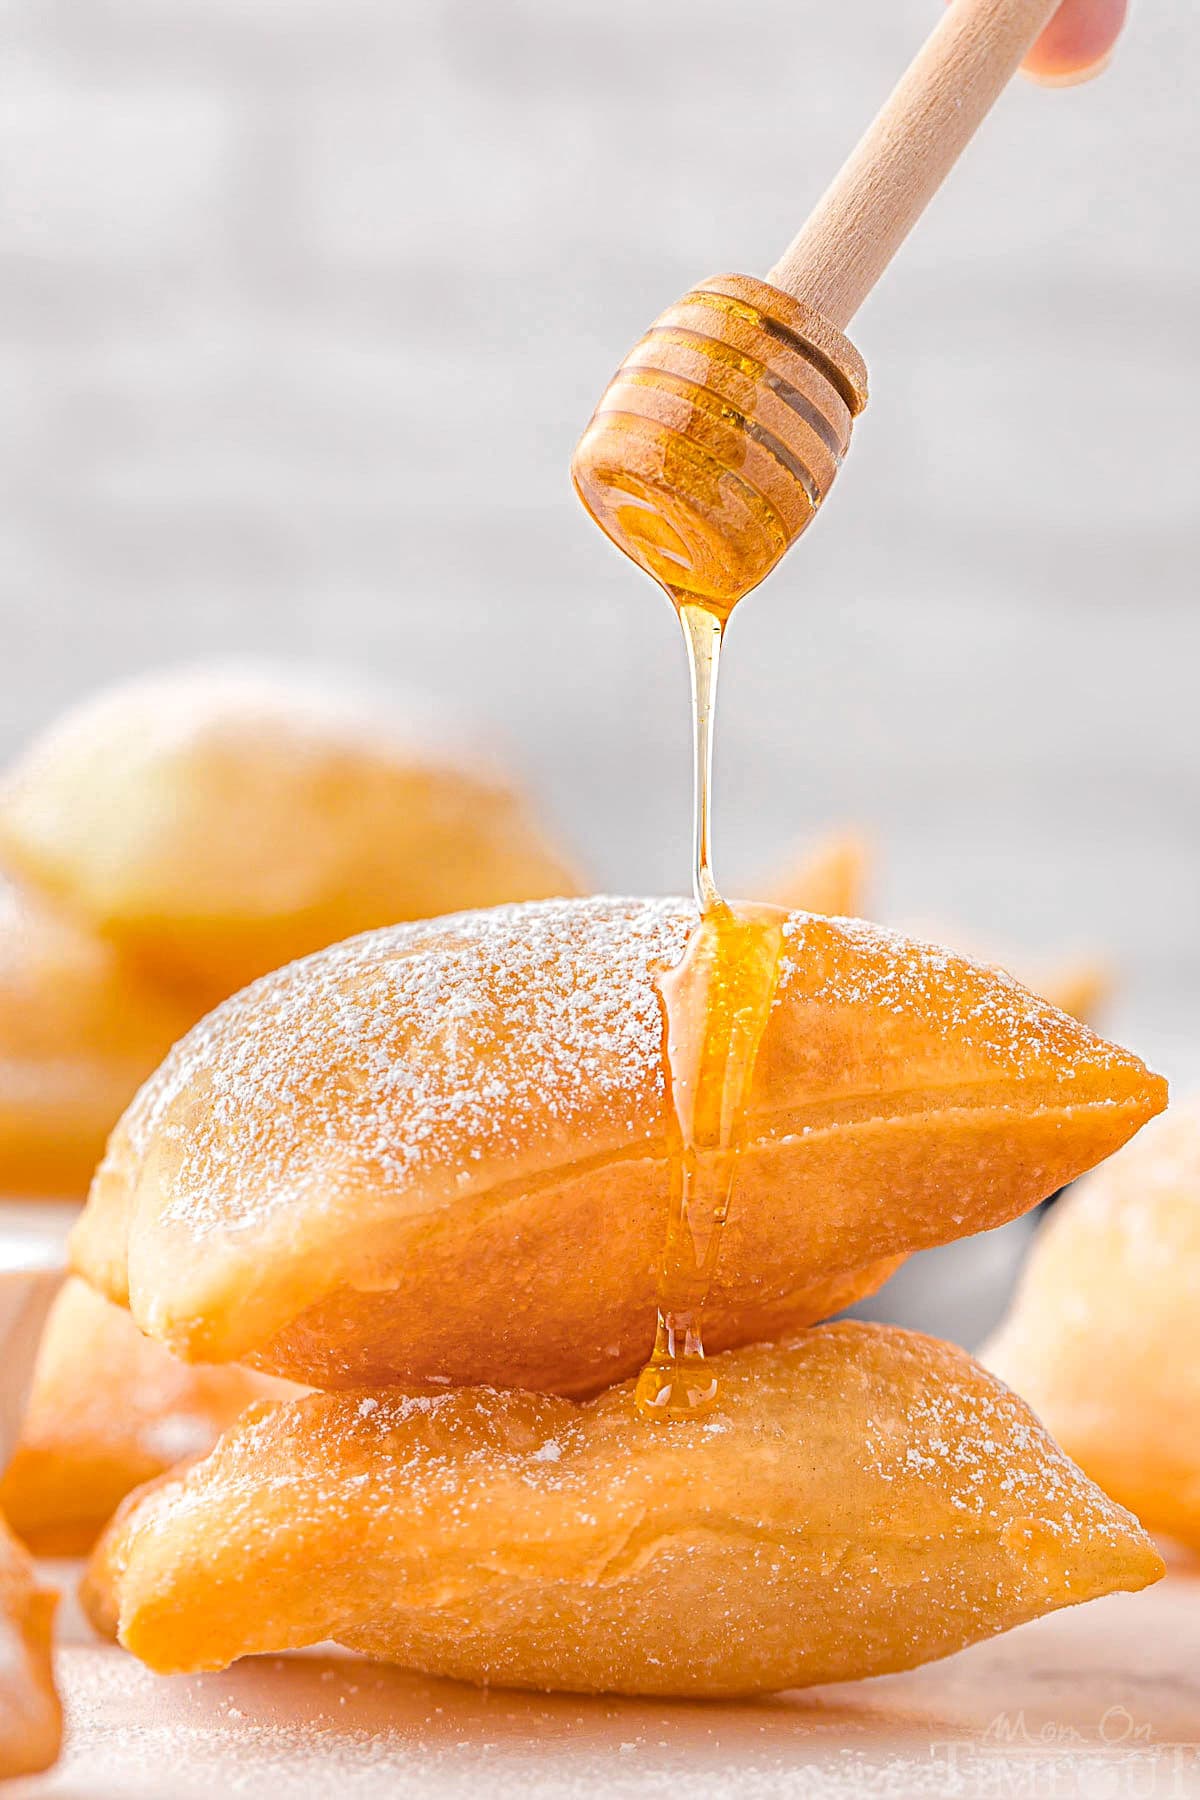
point(516, 1021)
point(496, 1028)
point(425, 1123)
point(861, 1499)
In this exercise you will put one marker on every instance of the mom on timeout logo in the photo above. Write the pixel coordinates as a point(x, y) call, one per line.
point(1118, 1758)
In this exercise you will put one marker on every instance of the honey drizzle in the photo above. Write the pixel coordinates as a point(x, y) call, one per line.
point(703, 635)
point(715, 1004)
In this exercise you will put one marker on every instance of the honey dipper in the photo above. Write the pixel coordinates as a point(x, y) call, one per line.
point(722, 431)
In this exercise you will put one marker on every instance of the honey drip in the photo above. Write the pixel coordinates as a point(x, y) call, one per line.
point(715, 1004)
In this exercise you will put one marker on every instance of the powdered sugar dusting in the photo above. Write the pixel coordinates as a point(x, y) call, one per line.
point(404, 1059)
point(984, 1006)
point(494, 1031)
point(1043, 1712)
point(874, 1499)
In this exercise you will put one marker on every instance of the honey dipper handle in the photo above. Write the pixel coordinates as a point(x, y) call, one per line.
point(907, 152)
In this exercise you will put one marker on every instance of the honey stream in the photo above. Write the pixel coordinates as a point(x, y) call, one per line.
point(715, 1004)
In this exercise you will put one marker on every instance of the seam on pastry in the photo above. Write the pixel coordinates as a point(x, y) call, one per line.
point(223, 1344)
point(495, 1200)
point(653, 1150)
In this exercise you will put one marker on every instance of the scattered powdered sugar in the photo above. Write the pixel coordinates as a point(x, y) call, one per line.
point(981, 1006)
point(1031, 1714)
point(421, 1048)
point(414, 1059)
point(865, 1474)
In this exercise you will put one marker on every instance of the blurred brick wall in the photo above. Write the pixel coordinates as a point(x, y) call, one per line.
point(302, 306)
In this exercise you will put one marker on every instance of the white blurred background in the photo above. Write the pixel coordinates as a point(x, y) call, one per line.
point(304, 302)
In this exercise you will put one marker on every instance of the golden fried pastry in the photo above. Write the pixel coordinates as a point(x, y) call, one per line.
point(109, 1410)
point(862, 1499)
point(1077, 985)
point(830, 877)
point(1104, 1334)
point(439, 1152)
point(79, 1033)
point(30, 1714)
point(217, 824)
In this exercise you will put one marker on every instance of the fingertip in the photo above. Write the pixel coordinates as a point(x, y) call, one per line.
point(1066, 76)
point(1077, 45)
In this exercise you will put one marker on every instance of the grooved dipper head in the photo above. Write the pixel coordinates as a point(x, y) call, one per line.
point(719, 437)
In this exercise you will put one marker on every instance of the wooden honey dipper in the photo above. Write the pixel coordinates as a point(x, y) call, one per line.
point(722, 431)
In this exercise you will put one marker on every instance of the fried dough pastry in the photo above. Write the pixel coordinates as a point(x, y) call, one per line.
point(862, 1499)
point(1078, 985)
point(30, 1714)
point(215, 824)
point(438, 1152)
point(1104, 1334)
point(832, 877)
point(79, 1033)
point(109, 1410)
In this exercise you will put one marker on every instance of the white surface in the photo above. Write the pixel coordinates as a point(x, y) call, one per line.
point(1098, 1703)
point(305, 304)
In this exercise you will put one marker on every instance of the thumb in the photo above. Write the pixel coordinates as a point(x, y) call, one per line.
point(1078, 41)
